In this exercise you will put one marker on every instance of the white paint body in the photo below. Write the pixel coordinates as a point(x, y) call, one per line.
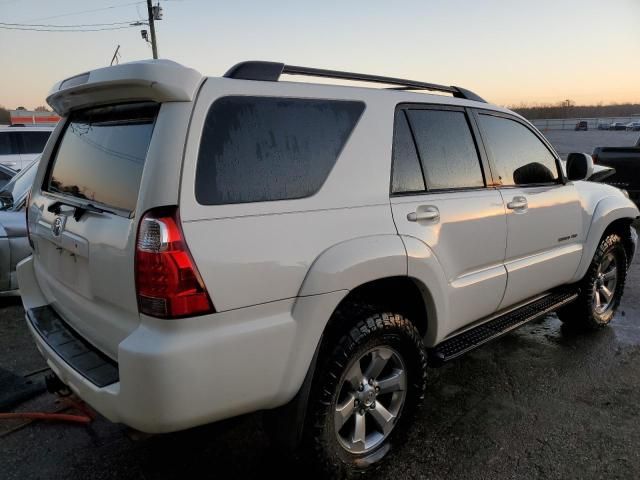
point(277, 270)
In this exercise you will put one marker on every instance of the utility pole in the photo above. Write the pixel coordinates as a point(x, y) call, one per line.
point(154, 43)
point(115, 55)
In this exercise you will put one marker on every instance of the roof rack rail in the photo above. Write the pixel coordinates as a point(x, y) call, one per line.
point(271, 71)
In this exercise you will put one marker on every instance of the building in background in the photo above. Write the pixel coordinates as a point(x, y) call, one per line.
point(29, 117)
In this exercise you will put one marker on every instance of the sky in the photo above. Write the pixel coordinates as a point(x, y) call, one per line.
point(508, 51)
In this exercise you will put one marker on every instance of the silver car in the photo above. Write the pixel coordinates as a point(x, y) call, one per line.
point(14, 245)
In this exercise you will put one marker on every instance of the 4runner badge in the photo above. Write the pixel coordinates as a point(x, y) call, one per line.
point(58, 225)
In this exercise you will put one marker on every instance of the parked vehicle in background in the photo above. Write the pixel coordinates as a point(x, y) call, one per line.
point(208, 247)
point(618, 126)
point(626, 162)
point(14, 244)
point(604, 126)
point(582, 125)
point(14, 194)
point(6, 174)
point(633, 126)
point(19, 145)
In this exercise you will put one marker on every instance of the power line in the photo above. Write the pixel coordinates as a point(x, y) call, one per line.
point(65, 30)
point(87, 11)
point(66, 26)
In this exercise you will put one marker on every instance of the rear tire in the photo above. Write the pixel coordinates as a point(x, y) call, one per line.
point(601, 288)
point(365, 393)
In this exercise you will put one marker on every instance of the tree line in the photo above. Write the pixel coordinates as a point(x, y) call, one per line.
point(568, 109)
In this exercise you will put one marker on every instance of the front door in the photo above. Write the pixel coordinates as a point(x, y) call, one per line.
point(544, 215)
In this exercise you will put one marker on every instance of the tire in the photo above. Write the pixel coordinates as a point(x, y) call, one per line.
point(344, 406)
point(594, 307)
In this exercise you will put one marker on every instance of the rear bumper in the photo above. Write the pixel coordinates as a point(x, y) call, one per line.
point(178, 374)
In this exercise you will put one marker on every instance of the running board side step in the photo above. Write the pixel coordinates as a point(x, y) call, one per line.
point(471, 339)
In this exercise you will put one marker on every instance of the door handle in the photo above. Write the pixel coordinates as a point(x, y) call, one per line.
point(518, 203)
point(428, 213)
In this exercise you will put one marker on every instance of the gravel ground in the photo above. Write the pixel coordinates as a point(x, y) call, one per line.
point(541, 402)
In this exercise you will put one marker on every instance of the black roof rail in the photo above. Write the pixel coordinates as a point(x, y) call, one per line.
point(271, 71)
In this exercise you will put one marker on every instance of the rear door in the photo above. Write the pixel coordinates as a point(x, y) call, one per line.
point(439, 195)
point(544, 215)
point(83, 221)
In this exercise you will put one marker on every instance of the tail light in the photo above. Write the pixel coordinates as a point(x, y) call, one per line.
point(168, 283)
point(595, 158)
point(27, 215)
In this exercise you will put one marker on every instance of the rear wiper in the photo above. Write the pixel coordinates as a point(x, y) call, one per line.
point(79, 210)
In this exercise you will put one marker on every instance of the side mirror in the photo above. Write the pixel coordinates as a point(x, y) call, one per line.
point(579, 166)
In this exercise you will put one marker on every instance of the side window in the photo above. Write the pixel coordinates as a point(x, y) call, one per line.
point(256, 149)
point(446, 148)
point(518, 155)
point(407, 174)
point(33, 142)
point(5, 144)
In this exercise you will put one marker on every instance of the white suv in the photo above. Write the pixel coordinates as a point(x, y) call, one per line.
point(20, 145)
point(206, 247)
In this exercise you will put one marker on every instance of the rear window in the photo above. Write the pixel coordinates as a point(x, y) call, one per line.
point(33, 142)
point(102, 153)
point(257, 149)
point(6, 147)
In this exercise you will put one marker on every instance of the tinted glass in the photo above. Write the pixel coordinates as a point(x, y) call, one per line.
point(407, 174)
point(33, 142)
point(102, 153)
point(260, 148)
point(446, 148)
point(5, 144)
point(519, 156)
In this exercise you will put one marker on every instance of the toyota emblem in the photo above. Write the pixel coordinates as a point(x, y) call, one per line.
point(57, 226)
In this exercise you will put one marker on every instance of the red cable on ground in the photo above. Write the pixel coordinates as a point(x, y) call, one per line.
point(55, 417)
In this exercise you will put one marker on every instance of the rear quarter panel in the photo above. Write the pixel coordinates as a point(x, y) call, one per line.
point(259, 252)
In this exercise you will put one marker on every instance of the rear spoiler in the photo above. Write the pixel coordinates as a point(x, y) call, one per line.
point(155, 80)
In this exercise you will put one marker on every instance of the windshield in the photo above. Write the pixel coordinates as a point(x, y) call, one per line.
point(16, 190)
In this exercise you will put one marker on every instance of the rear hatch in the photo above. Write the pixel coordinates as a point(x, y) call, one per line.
point(83, 220)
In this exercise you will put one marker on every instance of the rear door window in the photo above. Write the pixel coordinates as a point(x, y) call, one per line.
point(32, 142)
point(446, 149)
point(256, 149)
point(407, 174)
point(102, 153)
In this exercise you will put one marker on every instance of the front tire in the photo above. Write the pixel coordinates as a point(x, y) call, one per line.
point(366, 392)
point(601, 288)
